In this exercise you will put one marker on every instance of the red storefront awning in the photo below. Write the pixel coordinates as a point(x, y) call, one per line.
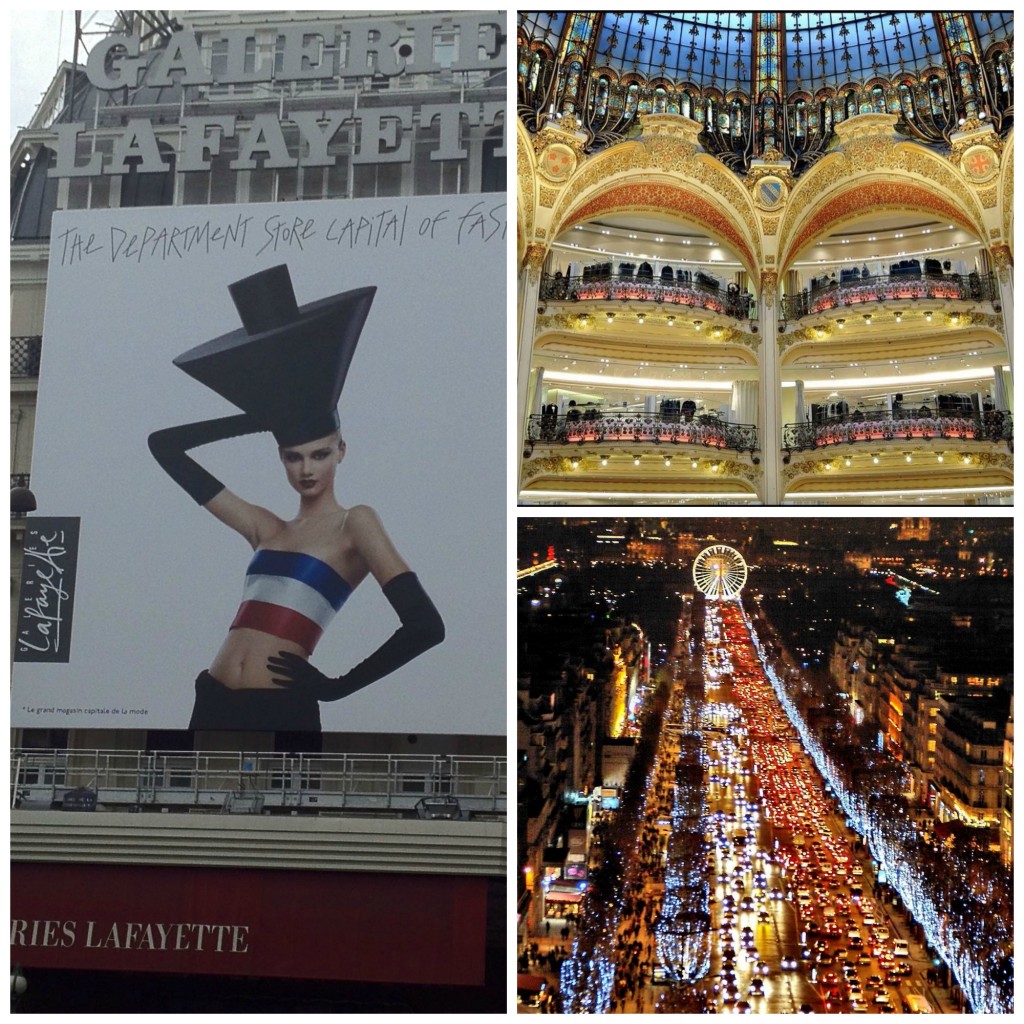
point(411, 929)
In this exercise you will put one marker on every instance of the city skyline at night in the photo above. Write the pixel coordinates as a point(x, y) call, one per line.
point(746, 799)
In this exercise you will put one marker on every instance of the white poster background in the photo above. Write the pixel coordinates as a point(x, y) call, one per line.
point(422, 413)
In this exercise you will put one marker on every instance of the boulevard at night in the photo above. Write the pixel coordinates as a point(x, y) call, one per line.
point(765, 765)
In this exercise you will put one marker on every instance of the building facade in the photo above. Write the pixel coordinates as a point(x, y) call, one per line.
point(259, 871)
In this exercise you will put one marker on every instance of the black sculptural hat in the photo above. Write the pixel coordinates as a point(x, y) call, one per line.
point(286, 364)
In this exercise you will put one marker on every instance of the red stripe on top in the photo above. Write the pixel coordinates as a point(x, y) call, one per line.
point(277, 621)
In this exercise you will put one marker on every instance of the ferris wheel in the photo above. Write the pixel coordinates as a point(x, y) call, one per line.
point(719, 572)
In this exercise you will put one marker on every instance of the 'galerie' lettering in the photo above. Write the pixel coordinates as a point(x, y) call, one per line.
point(355, 48)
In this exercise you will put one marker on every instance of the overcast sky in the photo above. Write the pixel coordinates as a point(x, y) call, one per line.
point(40, 40)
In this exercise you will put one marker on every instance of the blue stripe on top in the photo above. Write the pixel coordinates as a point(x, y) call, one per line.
point(304, 568)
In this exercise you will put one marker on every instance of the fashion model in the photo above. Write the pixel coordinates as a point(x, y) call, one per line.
point(286, 368)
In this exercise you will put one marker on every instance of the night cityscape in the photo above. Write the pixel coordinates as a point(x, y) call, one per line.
point(765, 765)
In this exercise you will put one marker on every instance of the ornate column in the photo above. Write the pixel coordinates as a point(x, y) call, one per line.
point(529, 296)
point(769, 422)
point(1003, 260)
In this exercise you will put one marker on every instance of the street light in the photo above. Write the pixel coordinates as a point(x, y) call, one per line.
point(23, 501)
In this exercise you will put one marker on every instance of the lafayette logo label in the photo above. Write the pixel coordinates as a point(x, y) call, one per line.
point(134, 935)
point(47, 590)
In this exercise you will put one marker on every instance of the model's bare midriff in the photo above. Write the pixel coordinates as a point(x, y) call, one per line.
point(241, 662)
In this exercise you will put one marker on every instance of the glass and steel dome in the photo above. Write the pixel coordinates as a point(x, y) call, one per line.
point(769, 86)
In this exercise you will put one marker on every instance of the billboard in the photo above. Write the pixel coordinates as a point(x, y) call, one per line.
point(158, 578)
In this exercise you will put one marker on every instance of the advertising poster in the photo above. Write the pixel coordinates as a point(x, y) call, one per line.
point(159, 578)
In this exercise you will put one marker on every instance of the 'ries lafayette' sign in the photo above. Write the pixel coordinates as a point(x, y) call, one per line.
point(354, 48)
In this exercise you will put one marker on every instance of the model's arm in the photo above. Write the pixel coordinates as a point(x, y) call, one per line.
point(169, 447)
point(421, 624)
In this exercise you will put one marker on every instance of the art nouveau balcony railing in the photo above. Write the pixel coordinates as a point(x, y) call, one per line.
point(648, 428)
point(914, 287)
point(627, 288)
point(987, 426)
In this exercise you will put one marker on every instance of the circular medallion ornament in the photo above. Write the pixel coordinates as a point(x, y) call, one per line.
point(557, 162)
point(979, 163)
point(770, 193)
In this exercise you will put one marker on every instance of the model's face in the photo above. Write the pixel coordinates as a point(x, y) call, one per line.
point(311, 467)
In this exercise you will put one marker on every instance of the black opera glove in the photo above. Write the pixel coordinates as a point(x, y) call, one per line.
point(169, 446)
point(421, 629)
point(300, 675)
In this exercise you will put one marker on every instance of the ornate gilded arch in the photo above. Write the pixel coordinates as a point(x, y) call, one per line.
point(863, 196)
point(668, 197)
point(668, 156)
point(1006, 191)
point(874, 173)
point(526, 184)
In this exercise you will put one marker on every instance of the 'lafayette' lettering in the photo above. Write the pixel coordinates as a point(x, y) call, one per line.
point(382, 138)
point(132, 935)
point(45, 595)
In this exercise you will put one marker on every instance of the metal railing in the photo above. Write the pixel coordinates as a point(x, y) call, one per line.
point(591, 426)
point(834, 297)
point(849, 429)
point(44, 779)
point(25, 352)
point(628, 288)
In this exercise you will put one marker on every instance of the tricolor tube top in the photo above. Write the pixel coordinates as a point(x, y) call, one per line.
point(290, 595)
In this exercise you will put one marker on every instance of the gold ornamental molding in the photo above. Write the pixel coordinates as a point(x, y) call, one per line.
point(1007, 190)
point(814, 464)
point(824, 330)
point(1001, 256)
point(989, 197)
point(546, 464)
point(553, 134)
point(761, 169)
point(533, 261)
point(992, 460)
point(525, 172)
point(548, 196)
point(669, 135)
point(712, 337)
point(975, 134)
point(707, 468)
point(769, 286)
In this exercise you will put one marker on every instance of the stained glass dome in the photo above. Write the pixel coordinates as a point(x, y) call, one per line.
point(769, 85)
